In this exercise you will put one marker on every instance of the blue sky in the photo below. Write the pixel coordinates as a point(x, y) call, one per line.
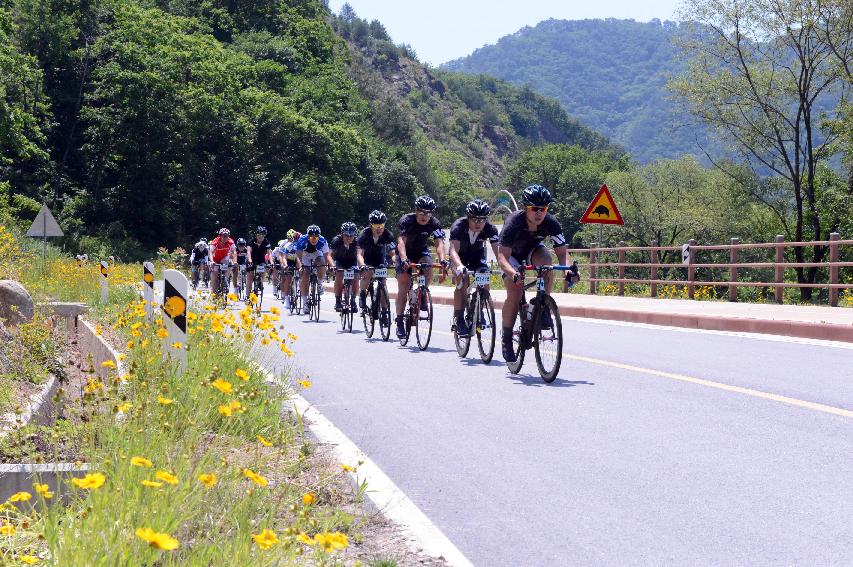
point(441, 30)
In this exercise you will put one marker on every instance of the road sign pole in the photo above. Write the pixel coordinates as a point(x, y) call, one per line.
point(148, 289)
point(175, 304)
point(105, 290)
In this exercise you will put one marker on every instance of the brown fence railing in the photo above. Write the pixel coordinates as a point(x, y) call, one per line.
point(699, 268)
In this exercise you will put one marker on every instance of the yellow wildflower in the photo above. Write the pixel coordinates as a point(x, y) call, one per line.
point(43, 490)
point(309, 498)
point(164, 401)
point(232, 297)
point(141, 462)
point(162, 332)
point(108, 364)
point(241, 374)
point(7, 529)
point(306, 539)
point(177, 345)
point(291, 336)
point(274, 310)
point(225, 410)
point(144, 343)
point(152, 484)
point(266, 539)
point(29, 559)
point(166, 477)
point(264, 442)
point(305, 383)
point(331, 541)
point(208, 480)
point(255, 477)
point(265, 341)
point(20, 497)
point(223, 386)
point(155, 539)
point(122, 408)
point(91, 481)
point(347, 468)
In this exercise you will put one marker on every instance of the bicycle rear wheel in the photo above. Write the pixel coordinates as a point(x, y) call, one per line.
point(367, 318)
point(423, 319)
point(384, 312)
point(346, 312)
point(315, 300)
point(519, 340)
point(295, 296)
point(407, 325)
point(464, 343)
point(548, 343)
point(484, 318)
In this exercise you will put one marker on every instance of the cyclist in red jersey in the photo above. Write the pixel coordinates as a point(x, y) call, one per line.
point(221, 247)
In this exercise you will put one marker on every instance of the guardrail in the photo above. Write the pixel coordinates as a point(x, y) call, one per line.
point(652, 258)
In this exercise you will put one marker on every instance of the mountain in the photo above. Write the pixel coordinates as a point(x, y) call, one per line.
point(609, 74)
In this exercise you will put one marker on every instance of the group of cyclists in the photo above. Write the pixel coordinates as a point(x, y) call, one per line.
point(520, 244)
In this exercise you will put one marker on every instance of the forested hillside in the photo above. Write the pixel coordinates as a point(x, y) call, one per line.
point(609, 74)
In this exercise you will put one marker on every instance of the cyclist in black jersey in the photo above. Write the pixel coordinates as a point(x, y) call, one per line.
point(468, 237)
point(344, 253)
point(413, 247)
point(373, 243)
point(522, 242)
point(259, 249)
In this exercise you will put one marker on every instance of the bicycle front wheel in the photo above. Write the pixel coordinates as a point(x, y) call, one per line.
point(464, 343)
point(315, 301)
point(519, 340)
point(367, 315)
point(384, 312)
point(423, 318)
point(548, 339)
point(485, 326)
point(407, 325)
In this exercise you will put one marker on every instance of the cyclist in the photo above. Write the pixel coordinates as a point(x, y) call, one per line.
point(468, 237)
point(413, 246)
point(242, 255)
point(373, 243)
point(222, 247)
point(312, 250)
point(522, 242)
point(289, 262)
point(344, 250)
point(259, 249)
point(199, 261)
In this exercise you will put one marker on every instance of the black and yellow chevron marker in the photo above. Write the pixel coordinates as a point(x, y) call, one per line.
point(147, 275)
point(175, 306)
point(104, 269)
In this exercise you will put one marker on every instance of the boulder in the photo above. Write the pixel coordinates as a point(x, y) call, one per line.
point(16, 305)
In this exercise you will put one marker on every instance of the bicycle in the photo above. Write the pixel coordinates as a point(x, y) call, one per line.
point(538, 326)
point(313, 294)
point(347, 298)
point(258, 285)
point(378, 305)
point(221, 291)
point(200, 269)
point(276, 282)
point(413, 315)
point(242, 294)
point(295, 296)
point(480, 317)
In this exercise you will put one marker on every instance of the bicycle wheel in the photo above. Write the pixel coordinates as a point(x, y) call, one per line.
point(464, 343)
point(295, 297)
point(519, 340)
point(384, 312)
point(367, 318)
point(407, 325)
point(548, 342)
point(315, 301)
point(485, 326)
point(345, 308)
point(423, 319)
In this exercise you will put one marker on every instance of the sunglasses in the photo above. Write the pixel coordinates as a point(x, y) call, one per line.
point(537, 209)
point(313, 238)
point(378, 225)
point(424, 213)
point(478, 219)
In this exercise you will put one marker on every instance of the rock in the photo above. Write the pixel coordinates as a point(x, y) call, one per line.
point(16, 305)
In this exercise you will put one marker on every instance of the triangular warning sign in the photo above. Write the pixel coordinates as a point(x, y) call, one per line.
point(45, 224)
point(602, 210)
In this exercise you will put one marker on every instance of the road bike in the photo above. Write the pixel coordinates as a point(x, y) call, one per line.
point(258, 285)
point(222, 283)
point(242, 293)
point(347, 298)
point(201, 269)
point(418, 311)
point(538, 325)
point(313, 293)
point(479, 316)
point(378, 305)
point(295, 296)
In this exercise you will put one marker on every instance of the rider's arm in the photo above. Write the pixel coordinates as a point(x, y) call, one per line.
point(455, 260)
point(359, 256)
point(401, 248)
point(439, 248)
point(495, 248)
point(329, 261)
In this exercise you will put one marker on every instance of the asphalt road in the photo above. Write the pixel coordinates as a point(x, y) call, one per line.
point(654, 446)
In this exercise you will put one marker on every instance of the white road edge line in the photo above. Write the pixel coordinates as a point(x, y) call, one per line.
point(421, 534)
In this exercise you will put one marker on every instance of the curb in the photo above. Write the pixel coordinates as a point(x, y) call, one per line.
point(799, 329)
point(40, 405)
point(382, 495)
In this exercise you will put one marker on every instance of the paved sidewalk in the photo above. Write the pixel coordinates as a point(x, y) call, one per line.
point(815, 322)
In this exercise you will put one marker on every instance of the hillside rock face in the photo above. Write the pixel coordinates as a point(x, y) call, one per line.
point(16, 305)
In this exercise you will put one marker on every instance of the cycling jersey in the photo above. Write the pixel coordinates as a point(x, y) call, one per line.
point(472, 246)
point(221, 248)
point(259, 250)
point(242, 255)
point(343, 256)
point(418, 235)
point(304, 245)
point(516, 235)
point(199, 255)
point(375, 251)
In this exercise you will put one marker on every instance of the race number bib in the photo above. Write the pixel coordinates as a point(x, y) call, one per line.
point(349, 274)
point(422, 280)
point(380, 273)
point(481, 278)
point(260, 268)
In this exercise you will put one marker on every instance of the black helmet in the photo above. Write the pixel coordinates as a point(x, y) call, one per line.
point(478, 208)
point(425, 203)
point(313, 230)
point(261, 230)
point(241, 242)
point(203, 239)
point(349, 228)
point(377, 217)
point(537, 196)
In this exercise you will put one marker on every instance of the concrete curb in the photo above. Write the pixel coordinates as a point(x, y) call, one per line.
point(383, 496)
point(40, 408)
point(20, 478)
point(800, 329)
point(92, 343)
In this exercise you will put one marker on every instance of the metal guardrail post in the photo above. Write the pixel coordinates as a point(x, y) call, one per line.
point(593, 270)
point(833, 269)
point(691, 271)
point(779, 292)
point(654, 276)
point(621, 260)
point(733, 260)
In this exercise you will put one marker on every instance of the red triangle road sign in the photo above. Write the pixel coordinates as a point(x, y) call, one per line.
point(602, 209)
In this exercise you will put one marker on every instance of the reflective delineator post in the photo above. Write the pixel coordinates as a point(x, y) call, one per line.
point(175, 304)
point(105, 289)
point(148, 289)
